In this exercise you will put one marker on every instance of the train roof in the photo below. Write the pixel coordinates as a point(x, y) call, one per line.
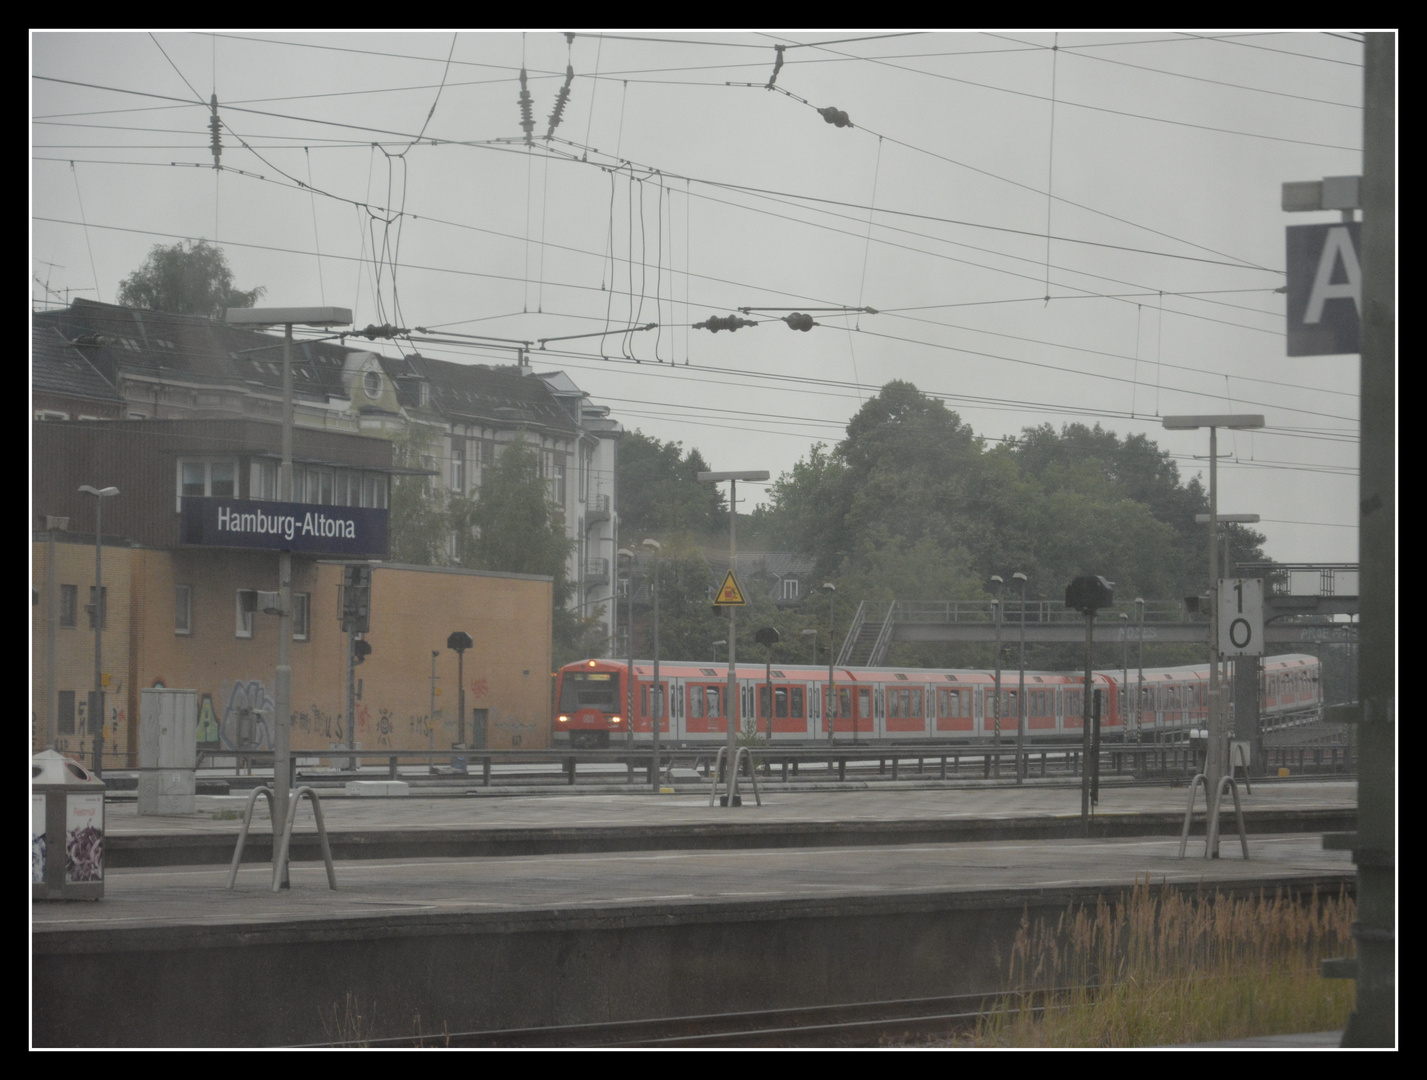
point(716, 672)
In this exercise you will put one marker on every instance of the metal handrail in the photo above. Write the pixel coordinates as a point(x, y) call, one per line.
point(280, 861)
point(243, 831)
point(280, 858)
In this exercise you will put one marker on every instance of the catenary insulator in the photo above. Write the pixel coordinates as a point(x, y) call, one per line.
point(561, 96)
point(834, 115)
point(715, 323)
point(527, 117)
point(799, 321)
point(215, 129)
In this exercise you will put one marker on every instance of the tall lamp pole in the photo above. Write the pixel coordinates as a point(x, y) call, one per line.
point(96, 709)
point(1140, 679)
point(1021, 688)
point(732, 707)
point(658, 692)
point(1217, 754)
point(831, 710)
point(282, 683)
point(997, 580)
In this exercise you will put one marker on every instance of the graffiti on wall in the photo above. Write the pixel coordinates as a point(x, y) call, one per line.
point(247, 718)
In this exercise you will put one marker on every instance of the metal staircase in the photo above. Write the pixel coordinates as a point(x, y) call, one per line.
point(869, 635)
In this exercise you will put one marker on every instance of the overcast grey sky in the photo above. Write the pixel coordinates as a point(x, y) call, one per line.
point(1053, 227)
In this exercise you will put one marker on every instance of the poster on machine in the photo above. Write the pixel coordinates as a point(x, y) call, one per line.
point(84, 838)
point(37, 839)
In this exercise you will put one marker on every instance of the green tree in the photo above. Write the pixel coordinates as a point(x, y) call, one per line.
point(512, 526)
point(659, 489)
point(192, 280)
point(420, 520)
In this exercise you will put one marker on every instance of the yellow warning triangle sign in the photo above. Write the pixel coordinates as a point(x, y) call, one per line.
point(730, 594)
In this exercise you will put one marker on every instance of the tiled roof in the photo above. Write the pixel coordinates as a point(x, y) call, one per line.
point(57, 367)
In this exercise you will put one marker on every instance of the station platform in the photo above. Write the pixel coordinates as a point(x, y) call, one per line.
point(512, 911)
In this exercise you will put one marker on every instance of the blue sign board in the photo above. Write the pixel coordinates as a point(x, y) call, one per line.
point(1325, 289)
point(278, 526)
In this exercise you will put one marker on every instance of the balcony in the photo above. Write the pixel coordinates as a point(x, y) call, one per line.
point(597, 511)
point(596, 572)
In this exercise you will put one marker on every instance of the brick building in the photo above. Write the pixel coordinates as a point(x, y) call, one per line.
point(187, 615)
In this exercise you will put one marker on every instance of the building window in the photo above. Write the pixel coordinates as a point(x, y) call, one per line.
point(223, 480)
point(372, 384)
point(790, 588)
point(65, 717)
point(247, 605)
point(183, 609)
point(458, 467)
point(103, 607)
point(557, 482)
point(301, 611)
point(218, 479)
point(69, 605)
point(263, 484)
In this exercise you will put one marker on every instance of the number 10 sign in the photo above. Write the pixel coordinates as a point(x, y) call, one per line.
point(1241, 617)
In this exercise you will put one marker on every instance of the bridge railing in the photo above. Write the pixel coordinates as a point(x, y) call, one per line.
point(1036, 611)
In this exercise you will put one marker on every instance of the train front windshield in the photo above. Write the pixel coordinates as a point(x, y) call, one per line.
point(590, 690)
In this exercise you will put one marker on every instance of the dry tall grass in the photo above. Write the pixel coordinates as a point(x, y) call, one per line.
point(1162, 967)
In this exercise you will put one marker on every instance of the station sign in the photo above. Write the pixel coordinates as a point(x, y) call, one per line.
point(1325, 289)
point(1241, 617)
point(302, 528)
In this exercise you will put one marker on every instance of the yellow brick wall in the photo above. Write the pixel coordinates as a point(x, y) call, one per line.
point(413, 612)
point(74, 646)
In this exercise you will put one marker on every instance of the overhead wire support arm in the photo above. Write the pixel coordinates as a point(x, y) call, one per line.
point(599, 333)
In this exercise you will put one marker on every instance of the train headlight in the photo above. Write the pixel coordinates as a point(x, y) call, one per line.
point(564, 719)
point(614, 719)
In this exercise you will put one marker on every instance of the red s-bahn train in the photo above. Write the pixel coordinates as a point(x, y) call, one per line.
point(592, 702)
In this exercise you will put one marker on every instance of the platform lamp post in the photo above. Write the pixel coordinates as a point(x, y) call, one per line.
point(657, 693)
point(625, 557)
point(768, 636)
point(1140, 679)
point(1000, 583)
point(733, 718)
point(431, 720)
point(1216, 757)
point(1088, 594)
point(831, 710)
point(282, 683)
point(458, 641)
point(1124, 670)
point(96, 706)
point(1021, 688)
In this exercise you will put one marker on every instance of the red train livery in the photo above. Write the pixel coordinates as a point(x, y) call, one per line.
point(593, 703)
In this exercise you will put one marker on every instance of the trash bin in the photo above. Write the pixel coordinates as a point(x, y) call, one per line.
point(67, 830)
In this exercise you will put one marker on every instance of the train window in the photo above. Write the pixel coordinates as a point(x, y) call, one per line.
point(797, 702)
point(713, 699)
point(864, 703)
point(589, 690)
point(644, 698)
point(780, 702)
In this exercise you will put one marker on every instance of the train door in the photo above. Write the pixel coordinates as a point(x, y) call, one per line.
point(705, 709)
point(953, 710)
point(676, 709)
